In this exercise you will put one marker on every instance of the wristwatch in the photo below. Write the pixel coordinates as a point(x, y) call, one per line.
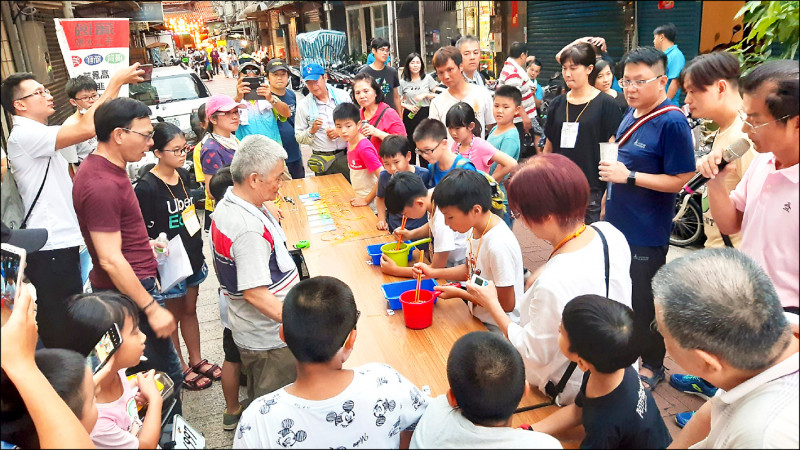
point(632, 178)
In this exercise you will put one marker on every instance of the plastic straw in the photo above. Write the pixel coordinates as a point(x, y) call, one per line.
point(402, 227)
point(419, 281)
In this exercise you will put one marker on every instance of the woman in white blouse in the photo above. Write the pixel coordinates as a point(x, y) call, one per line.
point(549, 193)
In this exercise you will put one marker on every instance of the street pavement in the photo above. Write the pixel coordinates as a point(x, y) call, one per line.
point(203, 409)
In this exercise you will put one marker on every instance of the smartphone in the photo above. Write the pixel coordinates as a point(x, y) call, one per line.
point(479, 281)
point(148, 71)
point(102, 351)
point(12, 266)
point(254, 82)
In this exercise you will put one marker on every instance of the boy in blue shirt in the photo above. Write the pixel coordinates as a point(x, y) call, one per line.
point(430, 137)
point(284, 102)
point(395, 156)
point(505, 136)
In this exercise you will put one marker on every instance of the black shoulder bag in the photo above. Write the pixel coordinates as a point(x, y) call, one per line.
point(24, 222)
point(553, 390)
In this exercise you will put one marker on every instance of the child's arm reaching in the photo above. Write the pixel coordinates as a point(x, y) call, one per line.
point(380, 203)
point(449, 273)
point(151, 427)
point(562, 420)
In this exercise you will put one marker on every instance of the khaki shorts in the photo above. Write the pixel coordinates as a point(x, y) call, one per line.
point(267, 370)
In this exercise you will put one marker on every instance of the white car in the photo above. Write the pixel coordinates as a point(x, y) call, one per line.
point(174, 94)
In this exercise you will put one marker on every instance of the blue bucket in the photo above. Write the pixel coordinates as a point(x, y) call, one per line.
point(374, 252)
point(392, 291)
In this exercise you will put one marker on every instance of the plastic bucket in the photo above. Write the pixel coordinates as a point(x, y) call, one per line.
point(418, 315)
point(400, 256)
point(374, 252)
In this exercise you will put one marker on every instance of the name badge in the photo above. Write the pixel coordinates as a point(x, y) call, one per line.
point(569, 134)
point(190, 220)
point(243, 117)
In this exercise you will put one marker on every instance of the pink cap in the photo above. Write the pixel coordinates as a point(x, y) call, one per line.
point(221, 102)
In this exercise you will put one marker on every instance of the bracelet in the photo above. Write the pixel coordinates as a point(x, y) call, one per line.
point(148, 305)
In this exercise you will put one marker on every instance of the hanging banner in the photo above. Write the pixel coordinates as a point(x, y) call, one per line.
point(515, 13)
point(96, 48)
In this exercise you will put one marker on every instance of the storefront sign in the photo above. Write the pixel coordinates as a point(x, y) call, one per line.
point(94, 47)
point(515, 13)
point(665, 5)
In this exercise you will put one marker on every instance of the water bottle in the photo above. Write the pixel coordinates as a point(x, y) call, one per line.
point(161, 252)
point(412, 114)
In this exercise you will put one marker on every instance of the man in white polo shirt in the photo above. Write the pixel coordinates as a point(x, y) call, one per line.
point(725, 324)
point(42, 175)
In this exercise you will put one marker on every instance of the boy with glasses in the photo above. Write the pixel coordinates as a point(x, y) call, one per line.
point(430, 138)
point(385, 75)
point(329, 406)
point(42, 175)
point(82, 93)
point(656, 159)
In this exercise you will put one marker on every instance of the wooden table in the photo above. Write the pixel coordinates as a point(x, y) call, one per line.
point(420, 355)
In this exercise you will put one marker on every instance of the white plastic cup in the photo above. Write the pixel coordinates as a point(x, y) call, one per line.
point(608, 151)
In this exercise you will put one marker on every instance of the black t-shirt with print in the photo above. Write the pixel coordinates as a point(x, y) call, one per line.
point(161, 212)
point(627, 417)
point(597, 124)
point(388, 81)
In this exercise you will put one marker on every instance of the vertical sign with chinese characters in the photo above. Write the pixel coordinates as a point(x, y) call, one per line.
point(95, 47)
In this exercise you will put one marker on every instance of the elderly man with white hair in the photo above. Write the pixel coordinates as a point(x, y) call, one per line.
point(722, 321)
point(253, 264)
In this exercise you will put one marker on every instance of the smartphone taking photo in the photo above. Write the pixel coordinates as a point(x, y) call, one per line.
point(12, 266)
point(148, 71)
point(254, 83)
point(105, 347)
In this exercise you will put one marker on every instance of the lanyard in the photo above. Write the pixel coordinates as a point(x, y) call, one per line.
point(167, 185)
point(581, 113)
point(567, 239)
point(473, 261)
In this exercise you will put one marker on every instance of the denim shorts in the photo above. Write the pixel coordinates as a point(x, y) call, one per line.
point(179, 290)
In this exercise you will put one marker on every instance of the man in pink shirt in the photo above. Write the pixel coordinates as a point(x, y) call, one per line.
point(765, 203)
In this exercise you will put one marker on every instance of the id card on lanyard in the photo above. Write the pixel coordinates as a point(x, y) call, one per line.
point(569, 134)
point(190, 220)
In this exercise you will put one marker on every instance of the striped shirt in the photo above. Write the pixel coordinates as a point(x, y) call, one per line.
point(514, 75)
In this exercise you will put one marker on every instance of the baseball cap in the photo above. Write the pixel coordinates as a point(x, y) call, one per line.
point(221, 102)
point(276, 65)
point(313, 72)
point(250, 67)
point(30, 240)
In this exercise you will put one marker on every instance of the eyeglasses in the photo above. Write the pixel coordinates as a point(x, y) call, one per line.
point(147, 136)
point(251, 72)
point(637, 83)
point(384, 49)
point(423, 152)
point(41, 92)
point(358, 314)
point(743, 116)
point(88, 98)
point(233, 112)
point(181, 151)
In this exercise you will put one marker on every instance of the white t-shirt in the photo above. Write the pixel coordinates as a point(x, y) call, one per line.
point(371, 412)
point(762, 412)
point(442, 426)
point(447, 240)
point(499, 260)
point(566, 276)
point(30, 146)
point(478, 97)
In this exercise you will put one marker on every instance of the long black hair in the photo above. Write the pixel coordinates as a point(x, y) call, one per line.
point(407, 71)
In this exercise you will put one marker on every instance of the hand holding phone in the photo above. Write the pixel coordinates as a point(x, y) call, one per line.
point(12, 267)
point(105, 347)
point(478, 280)
point(148, 71)
point(253, 83)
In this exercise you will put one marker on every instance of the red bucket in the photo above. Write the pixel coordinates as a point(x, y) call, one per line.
point(418, 315)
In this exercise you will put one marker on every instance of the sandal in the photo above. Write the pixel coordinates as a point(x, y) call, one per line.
point(652, 381)
point(213, 372)
point(198, 383)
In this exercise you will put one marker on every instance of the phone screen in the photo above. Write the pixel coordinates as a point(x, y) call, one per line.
point(10, 276)
point(108, 344)
point(254, 83)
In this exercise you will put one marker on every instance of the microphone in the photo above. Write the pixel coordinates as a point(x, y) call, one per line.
point(730, 154)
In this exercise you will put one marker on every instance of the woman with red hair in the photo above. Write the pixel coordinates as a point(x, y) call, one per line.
point(549, 194)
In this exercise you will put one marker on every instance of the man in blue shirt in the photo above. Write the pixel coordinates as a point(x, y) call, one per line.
point(278, 73)
point(654, 163)
point(664, 40)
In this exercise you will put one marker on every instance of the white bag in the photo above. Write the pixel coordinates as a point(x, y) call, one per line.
point(176, 267)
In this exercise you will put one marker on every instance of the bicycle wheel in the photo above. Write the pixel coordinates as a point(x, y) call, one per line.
point(687, 229)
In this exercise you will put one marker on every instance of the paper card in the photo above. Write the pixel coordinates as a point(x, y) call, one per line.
point(322, 229)
point(318, 221)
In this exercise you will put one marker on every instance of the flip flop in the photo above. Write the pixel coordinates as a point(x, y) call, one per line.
point(652, 381)
point(214, 372)
point(196, 383)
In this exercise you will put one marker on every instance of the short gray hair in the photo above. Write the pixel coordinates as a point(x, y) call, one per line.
point(465, 39)
point(722, 302)
point(256, 154)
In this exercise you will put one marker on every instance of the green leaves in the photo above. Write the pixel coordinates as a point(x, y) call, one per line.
point(767, 23)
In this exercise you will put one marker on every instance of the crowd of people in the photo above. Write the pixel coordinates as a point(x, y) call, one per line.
point(589, 328)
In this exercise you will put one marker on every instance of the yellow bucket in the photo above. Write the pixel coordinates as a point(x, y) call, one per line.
point(400, 256)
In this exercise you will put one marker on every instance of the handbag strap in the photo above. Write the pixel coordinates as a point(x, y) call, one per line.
point(605, 257)
point(35, 199)
point(380, 116)
point(646, 118)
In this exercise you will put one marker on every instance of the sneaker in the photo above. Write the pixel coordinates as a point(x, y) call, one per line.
point(691, 384)
point(682, 418)
point(229, 421)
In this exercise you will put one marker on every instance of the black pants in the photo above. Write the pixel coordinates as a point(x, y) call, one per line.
point(296, 169)
point(595, 205)
point(411, 125)
point(56, 274)
point(645, 262)
point(525, 150)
